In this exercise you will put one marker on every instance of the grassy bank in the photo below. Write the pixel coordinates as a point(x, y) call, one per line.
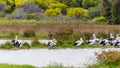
point(65, 35)
point(16, 66)
point(36, 44)
point(40, 22)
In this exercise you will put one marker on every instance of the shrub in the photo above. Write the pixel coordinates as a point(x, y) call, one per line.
point(58, 5)
point(26, 45)
point(2, 14)
point(76, 12)
point(29, 33)
point(110, 59)
point(63, 7)
point(99, 19)
point(7, 45)
point(89, 3)
point(19, 14)
point(94, 12)
point(53, 12)
point(33, 16)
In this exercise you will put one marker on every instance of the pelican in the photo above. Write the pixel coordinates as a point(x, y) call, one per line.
point(94, 40)
point(117, 41)
point(48, 42)
point(104, 42)
point(79, 42)
point(111, 37)
point(15, 42)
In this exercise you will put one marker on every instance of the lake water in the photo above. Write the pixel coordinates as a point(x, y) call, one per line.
point(44, 57)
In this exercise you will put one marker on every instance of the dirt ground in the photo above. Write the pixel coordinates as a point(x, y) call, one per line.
point(54, 28)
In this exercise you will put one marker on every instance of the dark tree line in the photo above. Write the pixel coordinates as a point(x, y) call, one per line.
point(111, 10)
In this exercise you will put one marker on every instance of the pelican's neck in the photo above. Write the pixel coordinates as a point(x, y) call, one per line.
point(54, 40)
point(117, 36)
point(94, 36)
point(111, 36)
point(16, 38)
point(81, 39)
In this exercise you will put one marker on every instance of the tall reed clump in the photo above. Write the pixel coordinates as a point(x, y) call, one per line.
point(29, 33)
point(64, 33)
point(64, 37)
point(110, 59)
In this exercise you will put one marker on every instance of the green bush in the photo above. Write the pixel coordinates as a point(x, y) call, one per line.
point(76, 12)
point(89, 3)
point(99, 19)
point(7, 45)
point(29, 33)
point(94, 12)
point(33, 16)
point(26, 45)
point(2, 14)
point(63, 7)
point(53, 12)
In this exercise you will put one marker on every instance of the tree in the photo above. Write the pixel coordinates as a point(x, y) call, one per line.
point(115, 12)
point(106, 9)
point(88, 3)
point(10, 6)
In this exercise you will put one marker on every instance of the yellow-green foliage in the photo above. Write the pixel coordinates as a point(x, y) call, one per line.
point(3, 1)
point(12, 4)
point(44, 3)
point(20, 2)
point(58, 5)
point(17, 2)
point(89, 3)
point(78, 12)
point(53, 12)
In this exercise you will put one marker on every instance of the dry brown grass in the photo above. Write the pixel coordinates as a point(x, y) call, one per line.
point(109, 57)
point(81, 29)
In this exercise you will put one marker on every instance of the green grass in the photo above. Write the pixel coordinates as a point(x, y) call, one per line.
point(37, 22)
point(60, 44)
point(16, 66)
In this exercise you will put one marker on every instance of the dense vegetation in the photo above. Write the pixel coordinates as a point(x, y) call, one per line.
point(95, 11)
point(110, 59)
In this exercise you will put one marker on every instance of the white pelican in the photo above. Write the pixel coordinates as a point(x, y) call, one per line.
point(79, 42)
